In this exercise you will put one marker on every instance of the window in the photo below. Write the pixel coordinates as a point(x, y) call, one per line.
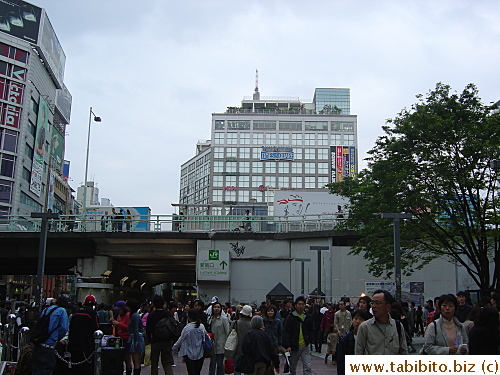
point(256, 152)
point(270, 167)
point(243, 196)
point(316, 125)
point(337, 140)
point(323, 153)
point(322, 168)
point(244, 181)
point(31, 203)
point(348, 139)
point(244, 138)
point(32, 128)
point(268, 125)
point(297, 168)
point(270, 139)
point(322, 140)
point(218, 152)
point(310, 168)
point(244, 152)
point(238, 125)
point(290, 125)
point(218, 166)
point(257, 167)
point(310, 139)
point(219, 124)
point(256, 181)
point(217, 195)
point(342, 126)
point(7, 165)
point(283, 181)
point(297, 183)
point(270, 181)
point(229, 195)
point(244, 167)
point(322, 181)
point(258, 138)
point(283, 139)
point(232, 138)
point(310, 153)
point(231, 166)
point(284, 167)
point(232, 152)
point(10, 140)
point(297, 154)
point(296, 139)
point(5, 191)
point(310, 182)
point(258, 195)
point(219, 138)
point(26, 174)
point(218, 181)
point(230, 181)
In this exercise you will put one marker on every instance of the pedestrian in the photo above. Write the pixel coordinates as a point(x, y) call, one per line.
point(83, 324)
point(419, 324)
point(160, 347)
point(364, 303)
point(121, 325)
point(119, 220)
point(242, 326)
point(328, 319)
point(219, 327)
point(381, 334)
point(44, 354)
point(128, 220)
point(332, 341)
point(348, 342)
point(136, 340)
point(274, 328)
point(70, 221)
point(342, 320)
point(286, 310)
point(102, 314)
point(484, 337)
point(191, 343)
point(104, 221)
point(257, 344)
point(297, 335)
point(463, 308)
point(317, 318)
point(446, 335)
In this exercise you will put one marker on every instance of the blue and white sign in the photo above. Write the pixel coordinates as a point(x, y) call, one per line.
point(276, 155)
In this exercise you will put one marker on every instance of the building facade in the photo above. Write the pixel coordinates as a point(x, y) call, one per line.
point(270, 144)
point(35, 108)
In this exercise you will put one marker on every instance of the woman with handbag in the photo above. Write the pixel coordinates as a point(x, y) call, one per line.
point(219, 326)
point(258, 350)
point(191, 343)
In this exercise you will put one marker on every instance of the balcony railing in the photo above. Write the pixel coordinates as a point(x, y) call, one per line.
point(177, 223)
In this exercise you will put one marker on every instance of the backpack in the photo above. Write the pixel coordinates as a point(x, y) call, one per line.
point(40, 332)
point(168, 329)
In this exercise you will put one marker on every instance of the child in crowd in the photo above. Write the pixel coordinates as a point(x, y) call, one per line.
point(332, 340)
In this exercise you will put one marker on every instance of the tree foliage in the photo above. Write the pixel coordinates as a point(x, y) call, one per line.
point(434, 162)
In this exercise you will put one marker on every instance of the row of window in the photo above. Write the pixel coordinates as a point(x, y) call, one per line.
point(200, 173)
point(244, 153)
point(283, 125)
point(294, 139)
point(191, 167)
point(256, 181)
point(259, 167)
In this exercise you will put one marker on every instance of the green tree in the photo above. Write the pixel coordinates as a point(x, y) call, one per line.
point(434, 162)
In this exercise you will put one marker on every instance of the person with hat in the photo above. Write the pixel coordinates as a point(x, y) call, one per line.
point(242, 326)
point(121, 325)
point(82, 326)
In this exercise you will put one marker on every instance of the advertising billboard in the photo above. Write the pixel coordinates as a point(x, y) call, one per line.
point(342, 162)
point(100, 218)
point(20, 19)
point(42, 133)
point(300, 203)
point(51, 50)
point(56, 149)
point(276, 153)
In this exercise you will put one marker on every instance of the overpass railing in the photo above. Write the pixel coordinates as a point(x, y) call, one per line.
point(178, 223)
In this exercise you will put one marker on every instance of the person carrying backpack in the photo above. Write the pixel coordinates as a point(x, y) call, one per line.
point(159, 345)
point(50, 328)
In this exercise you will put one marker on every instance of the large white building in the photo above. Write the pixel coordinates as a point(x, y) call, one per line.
point(35, 108)
point(269, 144)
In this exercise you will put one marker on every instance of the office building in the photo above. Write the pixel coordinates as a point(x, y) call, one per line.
point(35, 108)
point(268, 144)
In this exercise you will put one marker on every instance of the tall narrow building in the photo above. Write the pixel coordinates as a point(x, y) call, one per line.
point(35, 108)
point(269, 144)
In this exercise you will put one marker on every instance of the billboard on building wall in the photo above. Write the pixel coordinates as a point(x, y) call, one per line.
point(65, 171)
point(98, 219)
point(342, 162)
point(50, 195)
point(42, 133)
point(56, 149)
point(299, 203)
point(20, 19)
point(51, 50)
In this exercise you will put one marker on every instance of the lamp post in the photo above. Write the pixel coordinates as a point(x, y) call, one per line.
point(397, 250)
point(84, 209)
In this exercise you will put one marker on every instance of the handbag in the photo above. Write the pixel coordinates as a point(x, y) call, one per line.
point(231, 343)
point(245, 364)
point(147, 356)
point(228, 366)
point(286, 367)
point(208, 347)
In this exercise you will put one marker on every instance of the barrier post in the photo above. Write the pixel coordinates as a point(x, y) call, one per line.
point(97, 356)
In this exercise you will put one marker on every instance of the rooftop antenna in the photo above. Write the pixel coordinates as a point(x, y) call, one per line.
point(256, 94)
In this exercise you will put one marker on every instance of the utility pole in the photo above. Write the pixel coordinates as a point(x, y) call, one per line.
point(397, 250)
point(42, 250)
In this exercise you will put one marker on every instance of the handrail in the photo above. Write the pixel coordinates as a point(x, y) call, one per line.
point(178, 223)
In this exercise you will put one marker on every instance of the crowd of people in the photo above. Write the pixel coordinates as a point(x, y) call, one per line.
point(293, 329)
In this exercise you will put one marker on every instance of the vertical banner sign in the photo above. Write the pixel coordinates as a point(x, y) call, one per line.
point(333, 177)
point(339, 164)
point(42, 133)
point(342, 162)
point(352, 160)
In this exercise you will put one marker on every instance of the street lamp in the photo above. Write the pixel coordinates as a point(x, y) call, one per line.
point(96, 119)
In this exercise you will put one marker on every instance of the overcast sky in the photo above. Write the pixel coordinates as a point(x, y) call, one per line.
point(156, 70)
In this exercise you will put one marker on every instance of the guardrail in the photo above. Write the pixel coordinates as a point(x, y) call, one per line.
point(177, 223)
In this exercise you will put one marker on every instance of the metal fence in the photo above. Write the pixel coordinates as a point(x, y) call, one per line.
point(177, 223)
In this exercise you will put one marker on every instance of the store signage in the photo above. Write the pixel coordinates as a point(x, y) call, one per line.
point(213, 265)
point(231, 159)
point(230, 173)
point(265, 188)
point(276, 153)
point(230, 188)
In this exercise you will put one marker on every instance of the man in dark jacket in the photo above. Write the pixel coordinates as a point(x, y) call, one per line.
point(297, 335)
point(463, 308)
point(158, 346)
point(257, 344)
point(83, 324)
